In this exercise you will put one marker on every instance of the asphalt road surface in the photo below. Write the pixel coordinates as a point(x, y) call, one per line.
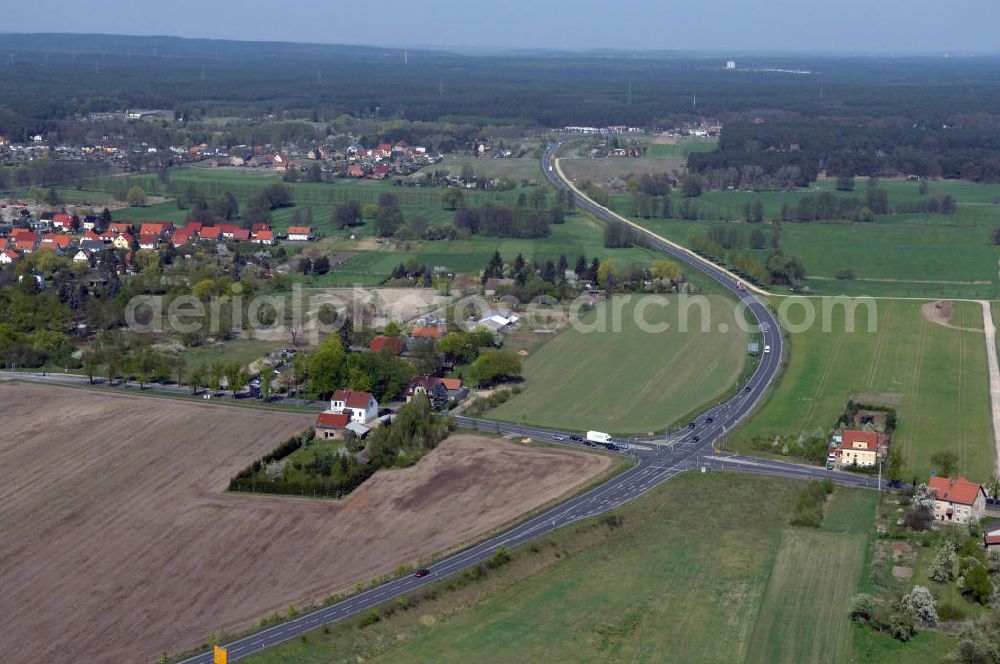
point(656, 460)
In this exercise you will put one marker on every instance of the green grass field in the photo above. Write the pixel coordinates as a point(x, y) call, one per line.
point(694, 573)
point(937, 375)
point(682, 148)
point(241, 351)
point(802, 618)
point(628, 380)
point(603, 170)
point(906, 255)
point(899, 259)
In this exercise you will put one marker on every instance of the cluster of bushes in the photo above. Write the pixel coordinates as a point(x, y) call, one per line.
point(813, 448)
point(964, 563)
point(936, 204)
point(480, 405)
point(410, 273)
point(415, 430)
point(898, 618)
point(506, 221)
point(809, 503)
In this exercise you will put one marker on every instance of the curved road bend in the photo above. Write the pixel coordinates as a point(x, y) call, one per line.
point(657, 462)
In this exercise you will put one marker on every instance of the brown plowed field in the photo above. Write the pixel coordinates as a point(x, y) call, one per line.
point(117, 541)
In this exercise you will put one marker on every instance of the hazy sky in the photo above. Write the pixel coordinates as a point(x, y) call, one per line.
point(719, 25)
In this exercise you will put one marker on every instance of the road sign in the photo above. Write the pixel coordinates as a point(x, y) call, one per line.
point(221, 656)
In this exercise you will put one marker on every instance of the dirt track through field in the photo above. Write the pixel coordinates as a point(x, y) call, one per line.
point(119, 543)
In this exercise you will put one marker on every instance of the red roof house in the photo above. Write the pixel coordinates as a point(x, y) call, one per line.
point(957, 500)
point(427, 333)
point(392, 344)
point(210, 233)
point(54, 241)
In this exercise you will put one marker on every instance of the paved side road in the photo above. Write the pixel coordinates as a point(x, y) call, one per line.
point(990, 332)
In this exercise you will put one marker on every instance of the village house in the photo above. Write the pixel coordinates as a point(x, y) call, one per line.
point(91, 222)
point(9, 256)
point(117, 227)
point(331, 425)
point(361, 406)
point(299, 233)
point(55, 242)
point(182, 236)
point(122, 241)
point(265, 236)
point(439, 390)
point(957, 500)
point(858, 448)
point(493, 284)
point(210, 233)
point(991, 535)
point(81, 256)
point(427, 332)
point(149, 241)
point(92, 246)
point(62, 222)
point(393, 345)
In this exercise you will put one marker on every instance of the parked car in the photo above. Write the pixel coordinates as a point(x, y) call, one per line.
point(829, 465)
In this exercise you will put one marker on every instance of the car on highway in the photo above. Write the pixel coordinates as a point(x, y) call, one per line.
point(558, 437)
point(696, 439)
point(709, 420)
point(767, 349)
point(692, 425)
point(421, 573)
point(578, 439)
point(746, 390)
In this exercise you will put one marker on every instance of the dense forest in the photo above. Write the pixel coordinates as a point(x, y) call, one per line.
point(46, 78)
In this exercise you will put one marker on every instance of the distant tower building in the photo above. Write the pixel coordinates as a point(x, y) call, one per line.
point(731, 64)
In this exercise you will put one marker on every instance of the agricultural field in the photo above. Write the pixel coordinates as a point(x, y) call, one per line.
point(792, 627)
point(924, 260)
point(929, 365)
point(120, 542)
point(663, 146)
point(626, 380)
point(600, 171)
point(517, 169)
point(904, 255)
point(698, 569)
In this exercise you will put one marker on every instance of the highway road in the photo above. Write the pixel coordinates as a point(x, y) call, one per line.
point(656, 460)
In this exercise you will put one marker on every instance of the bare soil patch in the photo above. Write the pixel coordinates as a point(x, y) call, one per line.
point(119, 543)
point(941, 313)
point(902, 573)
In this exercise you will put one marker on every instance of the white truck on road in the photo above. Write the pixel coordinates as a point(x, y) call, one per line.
point(599, 437)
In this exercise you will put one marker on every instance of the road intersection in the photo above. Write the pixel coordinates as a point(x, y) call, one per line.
point(656, 459)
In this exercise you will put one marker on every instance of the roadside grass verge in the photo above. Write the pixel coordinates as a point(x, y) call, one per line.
point(682, 570)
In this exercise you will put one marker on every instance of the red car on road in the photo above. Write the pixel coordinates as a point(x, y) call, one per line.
point(421, 573)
